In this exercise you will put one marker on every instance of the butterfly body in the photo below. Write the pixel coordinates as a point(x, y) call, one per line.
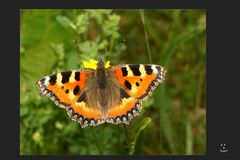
point(102, 92)
point(112, 95)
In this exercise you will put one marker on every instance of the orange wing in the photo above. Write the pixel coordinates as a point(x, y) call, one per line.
point(138, 80)
point(123, 113)
point(65, 89)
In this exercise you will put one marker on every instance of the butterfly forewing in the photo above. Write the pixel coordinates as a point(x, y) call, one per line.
point(138, 80)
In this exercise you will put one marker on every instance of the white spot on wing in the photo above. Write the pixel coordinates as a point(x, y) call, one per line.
point(130, 73)
point(154, 69)
point(142, 70)
point(59, 79)
point(46, 80)
point(72, 77)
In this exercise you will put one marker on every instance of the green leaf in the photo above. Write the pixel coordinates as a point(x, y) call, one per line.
point(38, 61)
point(67, 23)
point(24, 111)
point(135, 132)
point(110, 27)
point(38, 27)
point(82, 23)
point(89, 48)
point(103, 44)
point(149, 102)
point(99, 14)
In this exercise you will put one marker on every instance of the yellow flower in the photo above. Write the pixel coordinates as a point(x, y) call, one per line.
point(92, 63)
point(107, 64)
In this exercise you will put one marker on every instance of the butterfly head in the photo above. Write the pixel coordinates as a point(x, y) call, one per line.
point(101, 74)
point(100, 64)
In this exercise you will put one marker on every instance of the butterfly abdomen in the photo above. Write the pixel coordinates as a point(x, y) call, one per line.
point(103, 98)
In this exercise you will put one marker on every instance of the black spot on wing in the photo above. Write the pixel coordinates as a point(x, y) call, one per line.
point(77, 76)
point(67, 91)
point(128, 84)
point(137, 84)
point(135, 69)
point(82, 97)
point(76, 90)
point(148, 69)
point(53, 79)
point(123, 94)
point(124, 71)
point(66, 76)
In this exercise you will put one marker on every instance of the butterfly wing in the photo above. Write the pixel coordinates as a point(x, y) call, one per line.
point(137, 82)
point(66, 89)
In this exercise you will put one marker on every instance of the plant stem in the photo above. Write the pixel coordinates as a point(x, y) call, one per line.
point(146, 36)
point(130, 146)
point(189, 137)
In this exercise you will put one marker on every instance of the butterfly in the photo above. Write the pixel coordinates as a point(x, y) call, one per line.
point(103, 95)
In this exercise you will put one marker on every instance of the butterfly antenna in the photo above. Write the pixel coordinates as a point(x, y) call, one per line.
point(77, 45)
point(100, 60)
point(100, 63)
point(121, 44)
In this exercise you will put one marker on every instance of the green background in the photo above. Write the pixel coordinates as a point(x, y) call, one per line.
point(172, 121)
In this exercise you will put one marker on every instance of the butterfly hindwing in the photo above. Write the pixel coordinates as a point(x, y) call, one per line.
point(85, 115)
point(124, 112)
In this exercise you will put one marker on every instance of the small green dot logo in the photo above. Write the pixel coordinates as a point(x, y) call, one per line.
point(223, 148)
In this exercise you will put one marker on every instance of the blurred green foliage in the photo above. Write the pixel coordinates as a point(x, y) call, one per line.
point(172, 121)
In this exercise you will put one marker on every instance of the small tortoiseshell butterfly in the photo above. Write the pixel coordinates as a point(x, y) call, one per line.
point(95, 96)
